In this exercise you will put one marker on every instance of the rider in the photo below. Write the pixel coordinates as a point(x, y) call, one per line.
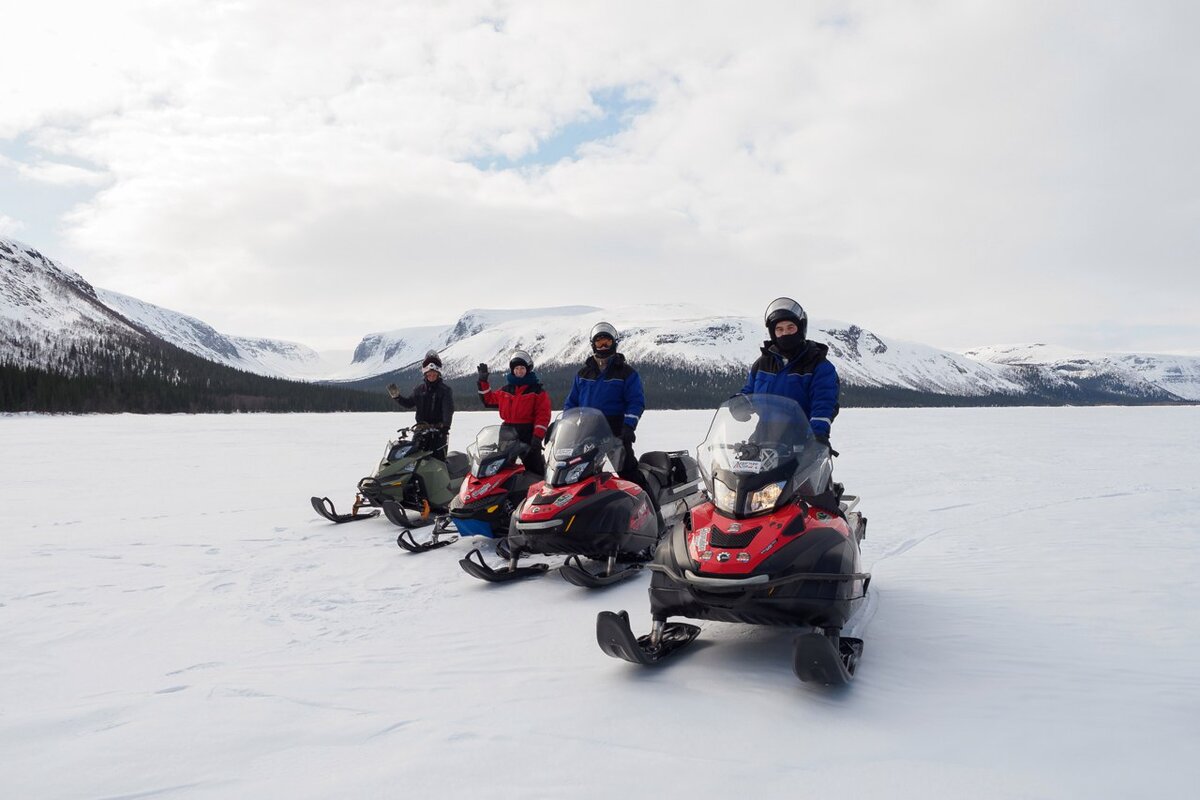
point(795, 367)
point(524, 406)
point(434, 403)
point(606, 382)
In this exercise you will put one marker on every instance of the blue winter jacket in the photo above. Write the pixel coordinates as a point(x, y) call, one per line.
point(808, 379)
point(616, 391)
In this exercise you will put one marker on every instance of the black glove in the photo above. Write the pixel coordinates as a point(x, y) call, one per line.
point(482, 369)
point(627, 435)
point(740, 407)
point(823, 438)
point(393, 390)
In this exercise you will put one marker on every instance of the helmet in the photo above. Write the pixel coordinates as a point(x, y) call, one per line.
point(785, 308)
point(432, 361)
point(603, 329)
point(520, 357)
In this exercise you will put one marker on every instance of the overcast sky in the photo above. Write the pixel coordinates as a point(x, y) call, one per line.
point(955, 173)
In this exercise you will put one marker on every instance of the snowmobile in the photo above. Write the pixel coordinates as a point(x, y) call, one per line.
point(583, 510)
point(496, 484)
point(409, 478)
point(777, 543)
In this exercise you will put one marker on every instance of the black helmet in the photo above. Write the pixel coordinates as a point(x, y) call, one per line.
point(520, 357)
point(785, 308)
point(603, 329)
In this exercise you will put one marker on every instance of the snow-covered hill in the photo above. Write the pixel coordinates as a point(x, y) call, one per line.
point(1178, 375)
point(674, 335)
point(46, 309)
point(262, 356)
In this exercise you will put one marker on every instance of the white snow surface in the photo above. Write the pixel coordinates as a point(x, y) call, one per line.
point(176, 622)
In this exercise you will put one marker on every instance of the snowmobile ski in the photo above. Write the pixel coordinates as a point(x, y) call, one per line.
point(575, 572)
point(616, 639)
point(324, 507)
point(398, 515)
point(406, 542)
point(831, 660)
point(475, 566)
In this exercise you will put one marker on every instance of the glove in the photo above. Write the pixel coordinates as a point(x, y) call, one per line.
point(393, 390)
point(823, 438)
point(740, 407)
point(627, 435)
point(482, 369)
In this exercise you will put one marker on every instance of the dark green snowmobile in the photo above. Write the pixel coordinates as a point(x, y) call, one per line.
point(410, 480)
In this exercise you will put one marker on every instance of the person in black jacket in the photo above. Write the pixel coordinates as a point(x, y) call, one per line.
point(434, 402)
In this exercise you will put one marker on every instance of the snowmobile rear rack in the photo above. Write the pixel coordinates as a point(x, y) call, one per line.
point(324, 507)
point(616, 639)
point(574, 571)
point(474, 565)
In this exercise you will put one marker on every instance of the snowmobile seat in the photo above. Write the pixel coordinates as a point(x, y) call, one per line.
point(457, 464)
point(658, 464)
point(655, 467)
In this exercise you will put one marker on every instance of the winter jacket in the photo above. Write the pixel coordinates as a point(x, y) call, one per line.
point(521, 402)
point(434, 402)
point(616, 391)
point(807, 378)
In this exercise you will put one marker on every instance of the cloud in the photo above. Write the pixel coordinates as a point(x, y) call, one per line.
point(953, 173)
point(10, 226)
point(61, 174)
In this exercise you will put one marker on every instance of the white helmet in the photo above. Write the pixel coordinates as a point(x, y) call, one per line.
point(603, 329)
point(520, 357)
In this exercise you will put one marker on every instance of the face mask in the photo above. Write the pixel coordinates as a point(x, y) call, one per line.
point(789, 342)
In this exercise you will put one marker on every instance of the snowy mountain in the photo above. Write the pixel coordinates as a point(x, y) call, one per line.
point(261, 356)
point(693, 352)
point(673, 336)
point(47, 309)
point(1137, 372)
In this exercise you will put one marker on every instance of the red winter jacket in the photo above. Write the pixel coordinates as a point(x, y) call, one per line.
point(519, 405)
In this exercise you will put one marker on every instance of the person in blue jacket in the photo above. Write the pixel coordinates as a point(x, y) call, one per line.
point(609, 384)
point(795, 367)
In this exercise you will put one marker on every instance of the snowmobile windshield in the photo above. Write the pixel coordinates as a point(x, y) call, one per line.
point(494, 446)
point(759, 452)
point(579, 444)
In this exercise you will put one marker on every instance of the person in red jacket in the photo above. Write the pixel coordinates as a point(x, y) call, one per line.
point(524, 406)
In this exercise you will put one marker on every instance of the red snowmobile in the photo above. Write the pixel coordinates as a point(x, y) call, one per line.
point(777, 544)
point(496, 483)
point(584, 510)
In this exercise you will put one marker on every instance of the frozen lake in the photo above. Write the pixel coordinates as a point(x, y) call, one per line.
point(175, 621)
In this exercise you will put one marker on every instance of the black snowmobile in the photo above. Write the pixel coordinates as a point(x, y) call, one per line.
point(497, 483)
point(777, 544)
point(584, 510)
point(409, 479)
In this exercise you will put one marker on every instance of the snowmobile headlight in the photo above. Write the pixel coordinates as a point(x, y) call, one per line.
point(765, 498)
point(724, 497)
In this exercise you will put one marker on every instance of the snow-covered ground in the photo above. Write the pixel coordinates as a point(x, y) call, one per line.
point(176, 622)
